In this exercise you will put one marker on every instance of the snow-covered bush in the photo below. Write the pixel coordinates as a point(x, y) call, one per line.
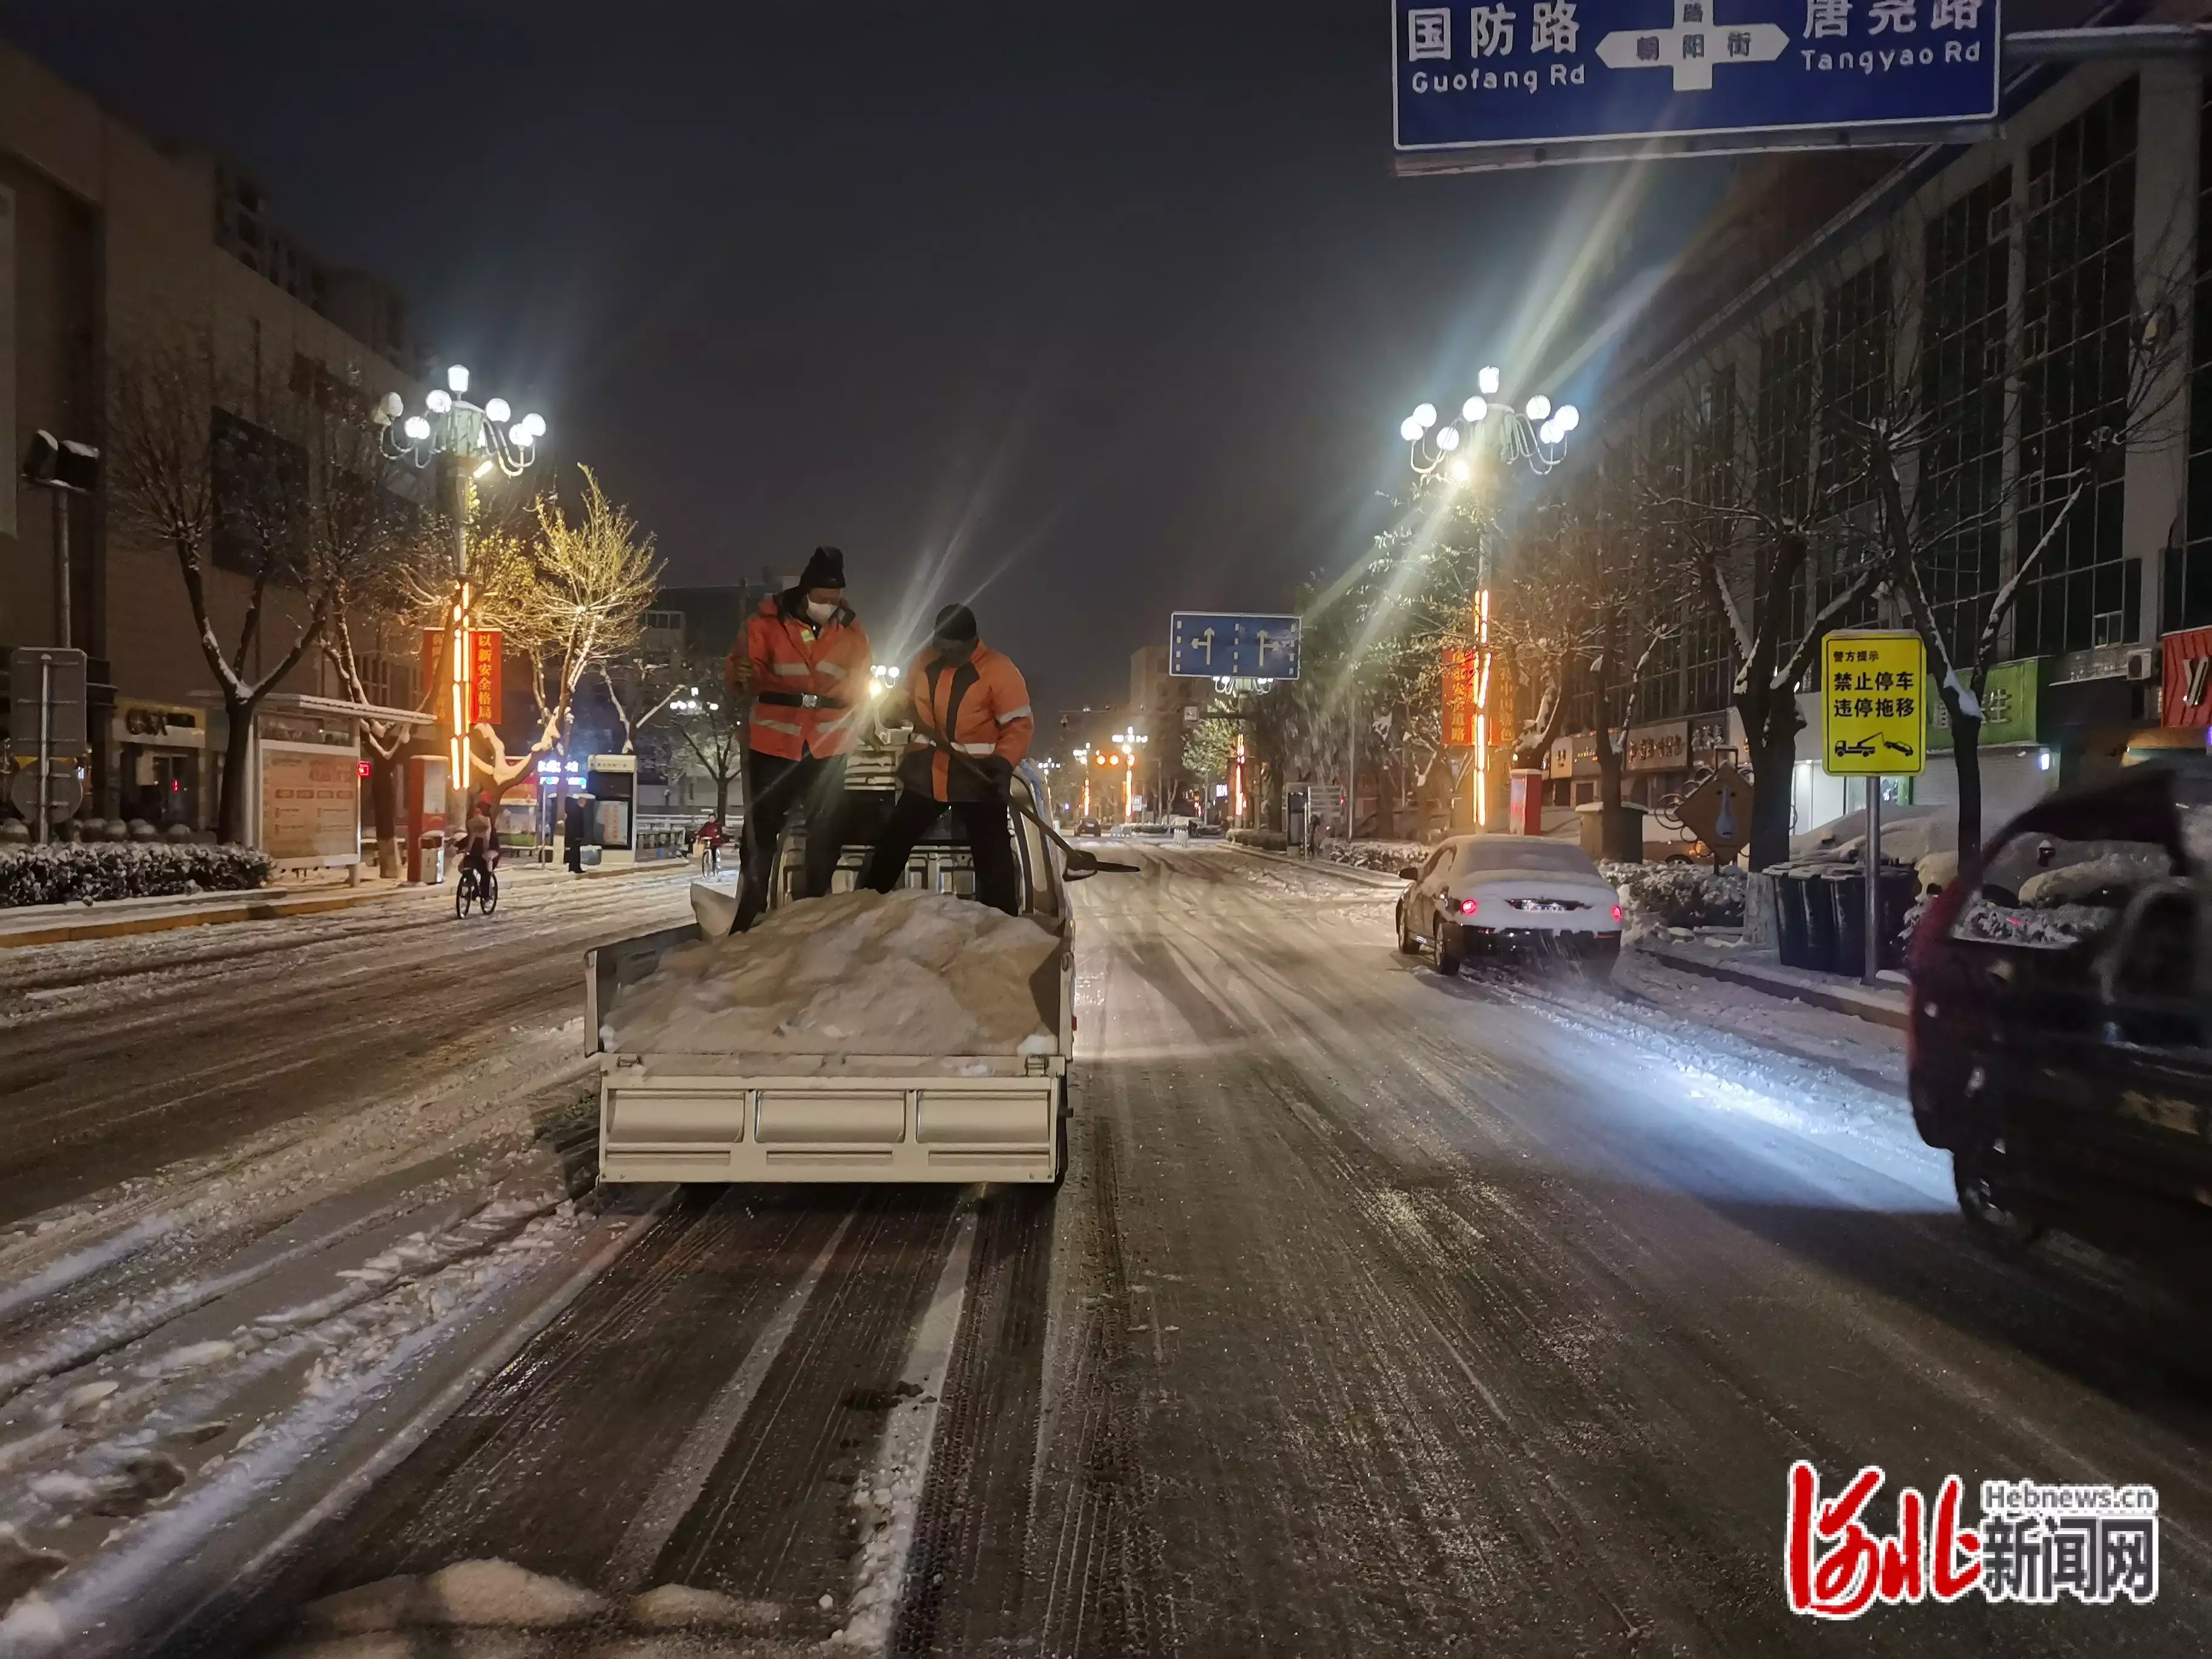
point(1679, 895)
point(1268, 841)
point(1387, 856)
point(75, 871)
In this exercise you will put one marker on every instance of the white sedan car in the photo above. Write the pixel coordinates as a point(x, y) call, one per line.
point(1479, 895)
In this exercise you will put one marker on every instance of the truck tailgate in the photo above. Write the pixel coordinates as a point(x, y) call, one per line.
point(656, 1123)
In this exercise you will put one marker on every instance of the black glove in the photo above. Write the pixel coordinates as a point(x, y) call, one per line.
point(998, 771)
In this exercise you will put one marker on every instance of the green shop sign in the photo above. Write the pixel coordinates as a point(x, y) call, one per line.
point(2010, 697)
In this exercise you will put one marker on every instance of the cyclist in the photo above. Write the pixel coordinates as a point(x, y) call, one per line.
point(480, 847)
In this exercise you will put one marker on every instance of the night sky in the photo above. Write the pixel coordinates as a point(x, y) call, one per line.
point(1081, 312)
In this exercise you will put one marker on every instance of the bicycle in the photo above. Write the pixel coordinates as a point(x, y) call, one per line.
point(482, 890)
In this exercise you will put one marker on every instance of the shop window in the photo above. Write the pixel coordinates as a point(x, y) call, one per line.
point(1962, 389)
point(1783, 436)
point(1659, 683)
point(1854, 391)
point(2076, 314)
point(2187, 601)
point(260, 488)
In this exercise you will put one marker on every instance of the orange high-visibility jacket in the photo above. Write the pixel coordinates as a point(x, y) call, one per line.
point(981, 708)
point(811, 684)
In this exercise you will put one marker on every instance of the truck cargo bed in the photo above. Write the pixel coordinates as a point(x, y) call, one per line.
point(734, 1116)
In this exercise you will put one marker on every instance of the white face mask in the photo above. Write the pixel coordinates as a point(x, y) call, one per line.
point(820, 613)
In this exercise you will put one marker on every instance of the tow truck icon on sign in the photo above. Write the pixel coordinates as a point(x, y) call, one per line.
point(1693, 46)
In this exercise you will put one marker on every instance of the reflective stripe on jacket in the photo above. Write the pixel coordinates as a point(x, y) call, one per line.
point(786, 656)
point(981, 707)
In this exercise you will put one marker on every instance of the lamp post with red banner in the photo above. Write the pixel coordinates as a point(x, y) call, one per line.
point(467, 442)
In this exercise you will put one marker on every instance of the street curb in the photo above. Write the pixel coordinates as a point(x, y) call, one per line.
point(250, 907)
point(1349, 872)
point(1838, 1000)
point(603, 872)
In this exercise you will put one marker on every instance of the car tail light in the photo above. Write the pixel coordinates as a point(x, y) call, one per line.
point(1616, 913)
point(1469, 906)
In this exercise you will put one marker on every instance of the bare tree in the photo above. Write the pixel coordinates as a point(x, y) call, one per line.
point(2099, 369)
point(1610, 581)
point(1541, 630)
point(287, 506)
point(1751, 495)
point(640, 687)
point(576, 595)
point(710, 725)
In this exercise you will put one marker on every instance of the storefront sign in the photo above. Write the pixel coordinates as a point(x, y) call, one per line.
point(1664, 747)
point(2187, 696)
point(1712, 737)
point(150, 723)
point(1561, 763)
point(2012, 707)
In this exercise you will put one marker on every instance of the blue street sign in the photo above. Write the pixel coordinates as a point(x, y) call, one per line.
point(1208, 645)
point(1574, 71)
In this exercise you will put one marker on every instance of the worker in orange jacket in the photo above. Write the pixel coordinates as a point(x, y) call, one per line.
point(805, 662)
point(969, 700)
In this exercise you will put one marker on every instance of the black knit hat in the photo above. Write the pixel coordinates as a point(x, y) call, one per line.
point(826, 570)
point(955, 627)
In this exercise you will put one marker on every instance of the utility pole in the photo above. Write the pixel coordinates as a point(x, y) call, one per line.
point(63, 468)
point(1352, 761)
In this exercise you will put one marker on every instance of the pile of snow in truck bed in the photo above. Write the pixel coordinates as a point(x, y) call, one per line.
point(860, 973)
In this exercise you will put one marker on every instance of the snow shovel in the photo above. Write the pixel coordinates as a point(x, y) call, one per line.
point(1079, 864)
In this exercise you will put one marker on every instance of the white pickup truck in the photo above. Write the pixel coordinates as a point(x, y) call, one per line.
point(728, 1116)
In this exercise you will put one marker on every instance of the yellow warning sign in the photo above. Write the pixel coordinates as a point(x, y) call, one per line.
point(1874, 708)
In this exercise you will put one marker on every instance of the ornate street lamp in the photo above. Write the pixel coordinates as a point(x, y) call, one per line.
point(1535, 432)
point(467, 442)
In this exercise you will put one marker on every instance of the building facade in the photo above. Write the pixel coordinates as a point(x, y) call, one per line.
point(1163, 709)
point(2032, 308)
point(108, 236)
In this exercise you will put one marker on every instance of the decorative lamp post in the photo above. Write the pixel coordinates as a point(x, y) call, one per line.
point(467, 442)
point(1535, 432)
point(1131, 741)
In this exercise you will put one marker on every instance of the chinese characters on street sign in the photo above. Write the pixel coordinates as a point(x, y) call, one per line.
point(1459, 663)
point(1214, 645)
point(1579, 72)
point(486, 652)
point(1873, 704)
point(484, 685)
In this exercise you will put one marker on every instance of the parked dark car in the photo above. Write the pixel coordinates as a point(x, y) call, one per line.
point(2058, 1033)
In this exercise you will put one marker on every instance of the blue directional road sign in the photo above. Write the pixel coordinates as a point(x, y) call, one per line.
point(1579, 72)
point(1204, 644)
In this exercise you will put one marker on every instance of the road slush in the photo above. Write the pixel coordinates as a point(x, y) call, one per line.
point(2035, 1543)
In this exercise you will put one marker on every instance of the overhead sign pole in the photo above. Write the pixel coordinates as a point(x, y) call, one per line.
point(1533, 82)
point(1874, 721)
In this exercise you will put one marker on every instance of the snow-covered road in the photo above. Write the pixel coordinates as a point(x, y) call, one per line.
point(266, 1187)
point(1379, 1314)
